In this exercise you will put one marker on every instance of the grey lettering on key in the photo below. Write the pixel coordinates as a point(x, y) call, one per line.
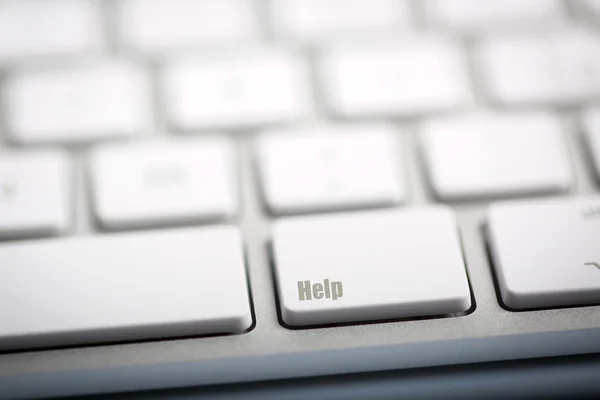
point(165, 175)
point(597, 265)
point(591, 212)
point(328, 289)
point(304, 290)
point(8, 191)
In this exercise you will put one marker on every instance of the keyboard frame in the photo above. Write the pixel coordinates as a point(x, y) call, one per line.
point(270, 351)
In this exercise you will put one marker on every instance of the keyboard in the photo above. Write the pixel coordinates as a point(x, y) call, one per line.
point(208, 192)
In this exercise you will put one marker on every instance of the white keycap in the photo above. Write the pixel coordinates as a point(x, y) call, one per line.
point(559, 68)
point(158, 183)
point(324, 19)
point(330, 167)
point(161, 25)
point(592, 126)
point(49, 28)
point(487, 155)
point(367, 266)
point(123, 287)
point(401, 77)
point(546, 254)
point(476, 15)
point(235, 91)
point(77, 104)
point(35, 193)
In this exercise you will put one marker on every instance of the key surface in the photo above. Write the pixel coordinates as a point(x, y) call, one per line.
point(488, 155)
point(164, 182)
point(477, 15)
point(33, 28)
point(145, 285)
point(35, 193)
point(165, 25)
point(312, 20)
point(559, 68)
point(395, 77)
point(546, 253)
point(236, 90)
point(366, 266)
point(330, 168)
point(77, 103)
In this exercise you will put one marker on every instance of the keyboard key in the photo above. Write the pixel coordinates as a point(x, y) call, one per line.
point(161, 183)
point(49, 28)
point(556, 69)
point(143, 285)
point(243, 90)
point(324, 19)
point(77, 104)
point(404, 78)
point(486, 155)
point(592, 126)
point(368, 266)
point(35, 194)
point(162, 25)
point(546, 254)
point(330, 168)
point(477, 15)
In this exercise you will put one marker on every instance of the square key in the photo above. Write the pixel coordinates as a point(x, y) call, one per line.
point(368, 266)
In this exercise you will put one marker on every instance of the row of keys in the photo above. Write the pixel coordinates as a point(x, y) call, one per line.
point(343, 268)
point(269, 86)
point(311, 169)
point(68, 27)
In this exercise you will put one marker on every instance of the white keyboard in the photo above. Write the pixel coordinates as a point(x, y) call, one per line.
point(206, 192)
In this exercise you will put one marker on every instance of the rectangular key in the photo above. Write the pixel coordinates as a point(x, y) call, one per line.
point(164, 25)
point(312, 20)
point(477, 15)
point(77, 103)
point(35, 194)
point(162, 183)
point(592, 127)
point(367, 266)
point(559, 68)
point(235, 91)
point(33, 28)
point(489, 155)
point(123, 287)
point(401, 77)
point(330, 168)
point(546, 253)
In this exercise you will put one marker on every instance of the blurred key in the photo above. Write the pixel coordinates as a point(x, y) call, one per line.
point(482, 156)
point(247, 89)
point(546, 253)
point(35, 197)
point(30, 28)
point(477, 15)
point(162, 183)
point(330, 168)
point(592, 127)
point(323, 19)
point(161, 25)
point(556, 69)
point(78, 103)
point(402, 77)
